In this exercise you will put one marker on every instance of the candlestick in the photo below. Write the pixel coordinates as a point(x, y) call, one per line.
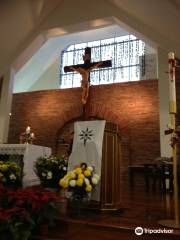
point(174, 223)
point(28, 130)
point(171, 55)
point(172, 85)
point(32, 135)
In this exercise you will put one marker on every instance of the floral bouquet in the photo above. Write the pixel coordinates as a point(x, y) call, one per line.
point(80, 182)
point(24, 210)
point(10, 174)
point(50, 170)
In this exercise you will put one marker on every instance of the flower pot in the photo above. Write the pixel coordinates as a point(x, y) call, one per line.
point(77, 206)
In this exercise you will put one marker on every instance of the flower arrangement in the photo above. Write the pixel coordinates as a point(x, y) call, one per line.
point(24, 210)
point(10, 174)
point(50, 170)
point(80, 181)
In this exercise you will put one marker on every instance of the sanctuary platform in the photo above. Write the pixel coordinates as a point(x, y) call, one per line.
point(140, 209)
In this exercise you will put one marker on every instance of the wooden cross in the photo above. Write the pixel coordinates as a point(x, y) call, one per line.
point(84, 70)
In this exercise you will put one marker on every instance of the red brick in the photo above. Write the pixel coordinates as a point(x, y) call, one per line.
point(133, 106)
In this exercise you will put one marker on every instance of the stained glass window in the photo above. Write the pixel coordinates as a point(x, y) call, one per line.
point(126, 52)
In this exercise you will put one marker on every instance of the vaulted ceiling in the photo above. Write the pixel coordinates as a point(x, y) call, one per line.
point(22, 21)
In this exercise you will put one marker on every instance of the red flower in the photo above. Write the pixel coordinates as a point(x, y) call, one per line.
point(16, 212)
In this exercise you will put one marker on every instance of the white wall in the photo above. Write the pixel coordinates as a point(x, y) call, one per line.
point(49, 79)
point(5, 106)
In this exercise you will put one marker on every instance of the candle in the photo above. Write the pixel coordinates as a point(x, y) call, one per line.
point(32, 135)
point(172, 84)
point(171, 55)
point(28, 129)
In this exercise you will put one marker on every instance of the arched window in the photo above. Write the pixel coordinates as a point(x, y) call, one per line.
point(126, 52)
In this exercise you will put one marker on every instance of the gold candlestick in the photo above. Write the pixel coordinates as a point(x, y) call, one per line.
point(174, 223)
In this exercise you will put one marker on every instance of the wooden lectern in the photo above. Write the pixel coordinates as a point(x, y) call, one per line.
point(110, 173)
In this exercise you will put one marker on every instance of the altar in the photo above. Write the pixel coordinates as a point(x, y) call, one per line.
point(26, 155)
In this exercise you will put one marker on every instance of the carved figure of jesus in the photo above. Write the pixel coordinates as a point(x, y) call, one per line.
point(84, 70)
point(85, 83)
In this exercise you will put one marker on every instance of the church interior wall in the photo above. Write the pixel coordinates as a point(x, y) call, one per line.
point(42, 70)
point(134, 106)
point(49, 79)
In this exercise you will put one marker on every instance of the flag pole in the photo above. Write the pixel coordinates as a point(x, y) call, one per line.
point(174, 223)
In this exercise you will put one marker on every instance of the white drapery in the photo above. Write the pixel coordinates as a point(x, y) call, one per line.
point(87, 147)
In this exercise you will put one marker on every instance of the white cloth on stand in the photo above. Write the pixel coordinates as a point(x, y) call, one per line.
point(87, 147)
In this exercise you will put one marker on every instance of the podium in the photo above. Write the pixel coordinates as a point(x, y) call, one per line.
point(107, 195)
point(111, 169)
point(25, 155)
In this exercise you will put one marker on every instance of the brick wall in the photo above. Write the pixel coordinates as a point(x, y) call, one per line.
point(133, 106)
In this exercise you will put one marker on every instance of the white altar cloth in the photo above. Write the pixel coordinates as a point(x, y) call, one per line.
point(30, 154)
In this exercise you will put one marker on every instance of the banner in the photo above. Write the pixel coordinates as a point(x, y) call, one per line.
point(87, 146)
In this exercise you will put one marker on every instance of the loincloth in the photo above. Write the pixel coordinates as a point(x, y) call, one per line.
point(84, 83)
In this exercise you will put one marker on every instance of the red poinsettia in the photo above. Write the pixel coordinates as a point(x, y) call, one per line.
point(23, 210)
point(16, 212)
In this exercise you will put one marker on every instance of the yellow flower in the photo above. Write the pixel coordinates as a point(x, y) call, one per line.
point(94, 180)
point(66, 176)
point(78, 170)
point(1, 175)
point(81, 176)
point(4, 167)
point(87, 173)
point(72, 175)
point(79, 182)
point(90, 168)
point(88, 188)
point(63, 183)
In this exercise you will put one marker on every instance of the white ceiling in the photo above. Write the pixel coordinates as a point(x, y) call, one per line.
point(24, 20)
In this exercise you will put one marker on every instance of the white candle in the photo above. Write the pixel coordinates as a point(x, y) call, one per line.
point(28, 129)
point(32, 135)
point(171, 55)
point(172, 84)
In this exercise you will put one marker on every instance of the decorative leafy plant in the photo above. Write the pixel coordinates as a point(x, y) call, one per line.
point(50, 170)
point(24, 210)
point(10, 174)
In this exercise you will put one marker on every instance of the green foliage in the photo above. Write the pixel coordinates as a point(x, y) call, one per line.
point(50, 170)
point(10, 174)
point(22, 211)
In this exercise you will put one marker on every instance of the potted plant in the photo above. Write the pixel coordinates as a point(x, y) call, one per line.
point(80, 182)
point(50, 170)
point(16, 224)
point(24, 211)
point(10, 174)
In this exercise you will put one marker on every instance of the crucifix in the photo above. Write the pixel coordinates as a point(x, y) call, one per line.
point(84, 70)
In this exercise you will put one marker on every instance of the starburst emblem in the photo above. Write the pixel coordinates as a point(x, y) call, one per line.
point(86, 135)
